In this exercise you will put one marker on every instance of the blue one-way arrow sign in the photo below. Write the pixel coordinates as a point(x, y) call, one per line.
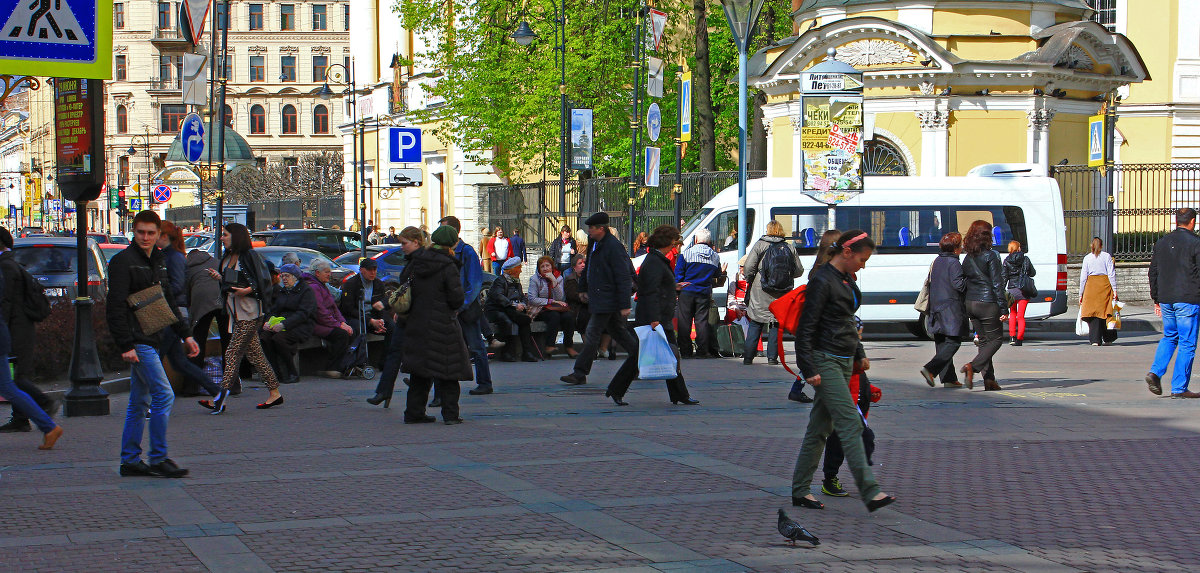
point(56, 38)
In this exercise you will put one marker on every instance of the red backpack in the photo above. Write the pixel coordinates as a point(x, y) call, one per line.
point(787, 309)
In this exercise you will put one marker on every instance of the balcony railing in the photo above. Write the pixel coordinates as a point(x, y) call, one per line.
point(168, 35)
point(166, 84)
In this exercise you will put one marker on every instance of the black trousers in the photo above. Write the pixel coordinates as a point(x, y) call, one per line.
point(676, 388)
point(693, 308)
point(555, 321)
point(507, 320)
point(391, 363)
point(754, 334)
point(418, 396)
point(942, 363)
point(1097, 328)
point(201, 329)
point(280, 348)
point(338, 343)
point(600, 322)
point(985, 319)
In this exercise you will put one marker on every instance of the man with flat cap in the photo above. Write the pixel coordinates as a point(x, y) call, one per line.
point(607, 280)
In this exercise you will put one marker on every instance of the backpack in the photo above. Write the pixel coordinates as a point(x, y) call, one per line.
point(777, 268)
point(36, 305)
point(787, 309)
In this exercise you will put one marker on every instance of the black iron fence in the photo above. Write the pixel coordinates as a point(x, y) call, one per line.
point(1137, 202)
point(292, 213)
point(534, 207)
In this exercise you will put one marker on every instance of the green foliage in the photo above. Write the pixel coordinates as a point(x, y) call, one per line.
point(503, 97)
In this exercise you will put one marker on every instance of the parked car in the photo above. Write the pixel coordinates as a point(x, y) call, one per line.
point(391, 259)
point(104, 239)
point(26, 231)
point(110, 250)
point(330, 242)
point(275, 256)
point(196, 240)
point(52, 261)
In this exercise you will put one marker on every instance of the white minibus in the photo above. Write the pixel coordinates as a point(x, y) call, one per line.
point(907, 216)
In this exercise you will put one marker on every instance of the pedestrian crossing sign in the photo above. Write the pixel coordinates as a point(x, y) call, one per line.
point(56, 38)
point(1096, 141)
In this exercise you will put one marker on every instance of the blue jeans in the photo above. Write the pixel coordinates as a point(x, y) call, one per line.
point(1181, 323)
point(148, 380)
point(21, 402)
point(477, 347)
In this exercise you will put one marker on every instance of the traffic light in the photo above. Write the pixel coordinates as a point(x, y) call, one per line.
point(115, 199)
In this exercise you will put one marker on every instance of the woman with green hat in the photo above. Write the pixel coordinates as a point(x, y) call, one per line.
point(434, 352)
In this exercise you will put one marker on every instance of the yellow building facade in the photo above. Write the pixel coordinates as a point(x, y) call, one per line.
point(950, 85)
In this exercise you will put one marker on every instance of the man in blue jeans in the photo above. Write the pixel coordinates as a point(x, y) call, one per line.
point(470, 316)
point(1175, 289)
point(141, 266)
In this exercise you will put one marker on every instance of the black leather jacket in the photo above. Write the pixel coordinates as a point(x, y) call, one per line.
point(827, 320)
point(985, 279)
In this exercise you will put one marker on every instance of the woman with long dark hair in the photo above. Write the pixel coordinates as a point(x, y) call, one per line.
point(1097, 291)
point(824, 253)
point(196, 381)
point(946, 320)
point(247, 285)
point(827, 350)
point(986, 305)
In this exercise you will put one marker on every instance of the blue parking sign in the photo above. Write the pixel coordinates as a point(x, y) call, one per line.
point(404, 144)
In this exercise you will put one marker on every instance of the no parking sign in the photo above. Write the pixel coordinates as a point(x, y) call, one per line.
point(162, 193)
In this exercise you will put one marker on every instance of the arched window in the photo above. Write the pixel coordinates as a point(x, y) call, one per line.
point(229, 117)
point(122, 119)
point(320, 119)
point(289, 119)
point(882, 157)
point(258, 119)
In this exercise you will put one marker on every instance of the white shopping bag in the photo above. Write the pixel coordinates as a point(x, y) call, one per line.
point(1081, 326)
point(656, 360)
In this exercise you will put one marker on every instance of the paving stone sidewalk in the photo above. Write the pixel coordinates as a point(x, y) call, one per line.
point(1074, 466)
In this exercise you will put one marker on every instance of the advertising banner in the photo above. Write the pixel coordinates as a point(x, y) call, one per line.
point(831, 140)
point(581, 139)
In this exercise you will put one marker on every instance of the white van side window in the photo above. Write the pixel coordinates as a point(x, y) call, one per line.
point(803, 226)
point(724, 230)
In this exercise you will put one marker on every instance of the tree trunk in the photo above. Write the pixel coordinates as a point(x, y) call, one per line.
point(758, 133)
point(702, 115)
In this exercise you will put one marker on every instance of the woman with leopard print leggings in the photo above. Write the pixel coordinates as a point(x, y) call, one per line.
point(247, 285)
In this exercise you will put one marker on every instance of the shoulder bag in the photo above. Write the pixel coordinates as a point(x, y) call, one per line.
point(922, 304)
point(151, 309)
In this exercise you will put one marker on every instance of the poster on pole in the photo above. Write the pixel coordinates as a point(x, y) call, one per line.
point(652, 165)
point(658, 23)
point(581, 139)
point(654, 83)
point(831, 139)
point(685, 107)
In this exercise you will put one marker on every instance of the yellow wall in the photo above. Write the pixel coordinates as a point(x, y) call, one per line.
point(988, 48)
point(978, 137)
point(1154, 33)
point(907, 129)
point(983, 22)
point(1147, 140)
point(781, 156)
point(1069, 139)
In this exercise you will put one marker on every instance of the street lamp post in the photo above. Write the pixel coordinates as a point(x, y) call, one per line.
point(743, 17)
point(133, 151)
point(326, 94)
point(526, 36)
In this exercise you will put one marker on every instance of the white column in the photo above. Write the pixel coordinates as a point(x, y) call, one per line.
point(935, 142)
point(767, 121)
point(1037, 140)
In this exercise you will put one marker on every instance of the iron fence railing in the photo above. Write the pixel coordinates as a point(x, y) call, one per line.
point(1144, 198)
point(533, 208)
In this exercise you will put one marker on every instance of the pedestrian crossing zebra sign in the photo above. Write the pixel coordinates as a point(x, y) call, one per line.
point(57, 38)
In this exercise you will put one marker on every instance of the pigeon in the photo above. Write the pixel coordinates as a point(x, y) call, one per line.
point(793, 531)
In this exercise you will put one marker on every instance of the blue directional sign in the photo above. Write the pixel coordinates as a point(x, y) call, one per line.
point(191, 136)
point(653, 122)
point(404, 144)
point(57, 38)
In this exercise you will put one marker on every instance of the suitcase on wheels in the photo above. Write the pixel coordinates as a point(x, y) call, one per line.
point(731, 341)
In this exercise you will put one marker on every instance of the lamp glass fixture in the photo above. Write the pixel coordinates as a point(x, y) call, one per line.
point(325, 93)
point(524, 34)
point(742, 16)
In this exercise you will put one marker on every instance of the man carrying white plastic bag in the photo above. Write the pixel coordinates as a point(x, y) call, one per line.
point(655, 358)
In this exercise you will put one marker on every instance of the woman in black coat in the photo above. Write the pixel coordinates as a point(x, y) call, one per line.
point(986, 304)
point(656, 307)
point(293, 302)
point(946, 321)
point(435, 353)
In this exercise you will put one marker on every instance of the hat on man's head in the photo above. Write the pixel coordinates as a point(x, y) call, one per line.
point(368, 264)
point(445, 236)
point(510, 263)
point(597, 220)
point(291, 269)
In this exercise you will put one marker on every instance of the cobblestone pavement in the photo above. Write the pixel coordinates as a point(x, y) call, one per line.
point(1074, 466)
